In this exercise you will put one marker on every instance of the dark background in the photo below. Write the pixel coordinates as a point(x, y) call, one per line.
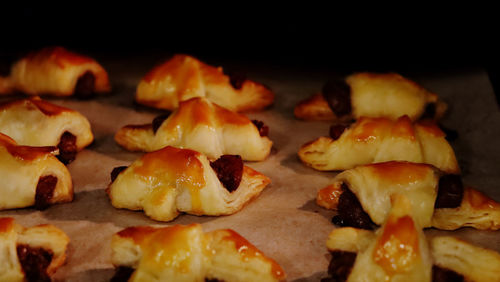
point(338, 38)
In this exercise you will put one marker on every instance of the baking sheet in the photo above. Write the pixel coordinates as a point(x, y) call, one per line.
point(284, 222)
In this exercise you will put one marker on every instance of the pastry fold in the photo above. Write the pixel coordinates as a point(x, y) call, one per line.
point(184, 77)
point(186, 253)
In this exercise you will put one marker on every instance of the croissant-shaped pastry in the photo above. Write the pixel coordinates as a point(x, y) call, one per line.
point(32, 176)
point(184, 77)
point(171, 180)
point(203, 126)
point(375, 140)
point(30, 254)
point(34, 122)
point(362, 197)
point(371, 95)
point(58, 72)
point(392, 254)
point(186, 253)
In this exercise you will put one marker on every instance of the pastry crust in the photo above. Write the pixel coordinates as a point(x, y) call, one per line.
point(21, 169)
point(375, 95)
point(186, 253)
point(171, 180)
point(184, 77)
point(476, 210)
point(203, 126)
point(46, 237)
point(54, 71)
point(375, 140)
point(35, 122)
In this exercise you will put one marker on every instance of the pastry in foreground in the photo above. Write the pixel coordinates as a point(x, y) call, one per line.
point(32, 176)
point(203, 126)
point(184, 77)
point(398, 251)
point(186, 253)
point(30, 254)
point(34, 122)
point(171, 180)
point(372, 95)
point(375, 140)
point(362, 197)
point(58, 72)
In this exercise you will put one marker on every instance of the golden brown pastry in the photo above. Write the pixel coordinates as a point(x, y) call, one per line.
point(371, 95)
point(34, 122)
point(375, 140)
point(171, 180)
point(203, 126)
point(31, 176)
point(58, 72)
point(186, 253)
point(30, 254)
point(398, 251)
point(184, 77)
point(362, 197)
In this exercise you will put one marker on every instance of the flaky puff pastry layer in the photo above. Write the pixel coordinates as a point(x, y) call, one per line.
point(397, 251)
point(375, 95)
point(184, 77)
point(53, 71)
point(375, 140)
point(35, 122)
point(203, 126)
point(186, 253)
point(46, 237)
point(171, 180)
point(21, 167)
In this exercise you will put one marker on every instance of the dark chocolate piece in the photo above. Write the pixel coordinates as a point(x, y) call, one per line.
point(336, 130)
point(116, 171)
point(338, 96)
point(122, 274)
point(229, 170)
point(84, 88)
point(45, 191)
point(263, 129)
point(34, 262)
point(445, 275)
point(350, 211)
point(67, 148)
point(340, 266)
point(450, 191)
point(157, 121)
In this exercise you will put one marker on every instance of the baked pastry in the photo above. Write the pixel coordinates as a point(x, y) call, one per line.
point(34, 122)
point(386, 95)
point(58, 72)
point(30, 254)
point(32, 176)
point(375, 140)
point(362, 197)
point(398, 251)
point(171, 180)
point(184, 77)
point(203, 126)
point(186, 253)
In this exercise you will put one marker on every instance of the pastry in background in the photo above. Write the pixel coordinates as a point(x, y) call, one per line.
point(375, 140)
point(30, 254)
point(34, 122)
point(186, 253)
point(58, 72)
point(171, 180)
point(203, 126)
point(371, 95)
point(184, 77)
point(362, 197)
point(32, 176)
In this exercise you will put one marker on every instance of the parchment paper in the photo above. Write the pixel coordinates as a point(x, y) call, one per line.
point(284, 222)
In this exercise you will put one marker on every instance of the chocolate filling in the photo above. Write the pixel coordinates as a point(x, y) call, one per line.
point(34, 262)
point(450, 191)
point(263, 129)
point(67, 148)
point(338, 96)
point(229, 170)
point(84, 88)
point(336, 130)
point(350, 211)
point(213, 280)
point(157, 121)
point(445, 275)
point(116, 171)
point(340, 266)
point(45, 191)
point(122, 274)
point(237, 79)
